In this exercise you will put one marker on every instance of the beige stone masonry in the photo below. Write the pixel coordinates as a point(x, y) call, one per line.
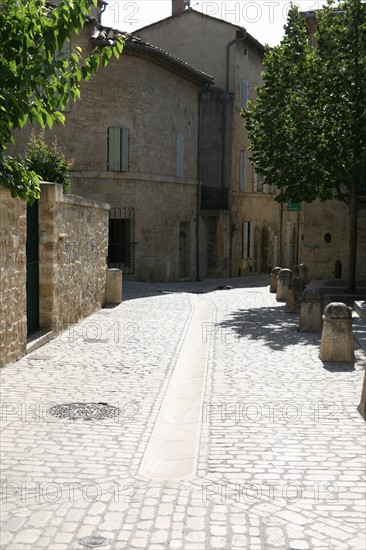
point(311, 310)
point(274, 279)
point(337, 338)
point(294, 295)
point(73, 258)
point(114, 286)
point(13, 322)
point(284, 278)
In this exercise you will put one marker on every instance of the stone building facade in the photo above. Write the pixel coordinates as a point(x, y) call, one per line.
point(324, 238)
point(134, 137)
point(243, 229)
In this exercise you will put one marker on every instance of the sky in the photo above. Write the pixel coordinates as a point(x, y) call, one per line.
point(263, 19)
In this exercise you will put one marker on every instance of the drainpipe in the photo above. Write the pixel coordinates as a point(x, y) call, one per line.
point(281, 228)
point(199, 187)
point(223, 156)
point(102, 6)
point(298, 238)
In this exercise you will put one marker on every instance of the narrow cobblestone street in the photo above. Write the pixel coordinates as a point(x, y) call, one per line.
point(281, 454)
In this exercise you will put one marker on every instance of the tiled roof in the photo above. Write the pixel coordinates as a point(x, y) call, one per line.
point(105, 36)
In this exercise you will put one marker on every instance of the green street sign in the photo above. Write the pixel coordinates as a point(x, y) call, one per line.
point(294, 206)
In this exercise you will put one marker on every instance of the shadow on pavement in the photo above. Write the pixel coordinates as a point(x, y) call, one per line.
point(275, 328)
point(133, 290)
point(339, 367)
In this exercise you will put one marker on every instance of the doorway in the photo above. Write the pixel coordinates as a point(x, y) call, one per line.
point(184, 250)
point(32, 281)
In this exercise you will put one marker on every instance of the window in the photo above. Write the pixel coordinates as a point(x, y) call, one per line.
point(63, 54)
point(118, 149)
point(255, 180)
point(244, 93)
point(121, 245)
point(243, 168)
point(246, 240)
point(179, 155)
point(264, 185)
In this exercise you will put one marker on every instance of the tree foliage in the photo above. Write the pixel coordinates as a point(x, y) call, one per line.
point(37, 79)
point(308, 127)
point(49, 163)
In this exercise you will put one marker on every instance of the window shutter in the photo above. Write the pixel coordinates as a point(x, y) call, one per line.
point(242, 175)
point(244, 93)
point(264, 185)
point(114, 149)
point(64, 54)
point(125, 153)
point(255, 180)
point(251, 239)
point(180, 155)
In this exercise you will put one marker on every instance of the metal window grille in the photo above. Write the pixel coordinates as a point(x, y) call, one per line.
point(121, 242)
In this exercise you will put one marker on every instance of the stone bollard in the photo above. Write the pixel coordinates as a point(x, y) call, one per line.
point(294, 295)
point(113, 286)
point(311, 311)
point(337, 337)
point(274, 278)
point(304, 273)
point(362, 406)
point(283, 282)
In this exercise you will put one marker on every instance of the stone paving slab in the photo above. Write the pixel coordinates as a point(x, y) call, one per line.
point(282, 447)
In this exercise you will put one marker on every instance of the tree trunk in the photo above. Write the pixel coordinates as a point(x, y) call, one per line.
point(352, 257)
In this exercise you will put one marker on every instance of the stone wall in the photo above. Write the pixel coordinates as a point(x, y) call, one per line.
point(330, 220)
point(73, 258)
point(73, 247)
point(13, 321)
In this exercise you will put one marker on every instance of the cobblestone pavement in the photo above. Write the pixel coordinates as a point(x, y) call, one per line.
point(282, 448)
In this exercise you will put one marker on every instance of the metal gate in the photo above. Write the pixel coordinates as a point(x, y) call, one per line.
point(32, 284)
point(121, 242)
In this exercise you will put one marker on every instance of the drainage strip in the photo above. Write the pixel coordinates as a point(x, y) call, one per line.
point(172, 451)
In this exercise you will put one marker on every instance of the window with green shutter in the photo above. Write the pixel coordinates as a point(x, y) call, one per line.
point(118, 149)
point(244, 93)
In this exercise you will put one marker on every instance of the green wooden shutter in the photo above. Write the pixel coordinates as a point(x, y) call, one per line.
point(244, 93)
point(125, 155)
point(243, 168)
point(255, 180)
point(114, 149)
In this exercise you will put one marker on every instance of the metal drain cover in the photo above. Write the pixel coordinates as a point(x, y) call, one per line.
point(94, 541)
point(84, 411)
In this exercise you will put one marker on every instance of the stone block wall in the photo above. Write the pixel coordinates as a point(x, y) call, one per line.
point(13, 321)
point(72, 258)
point(331, 219)
point(73, 248)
